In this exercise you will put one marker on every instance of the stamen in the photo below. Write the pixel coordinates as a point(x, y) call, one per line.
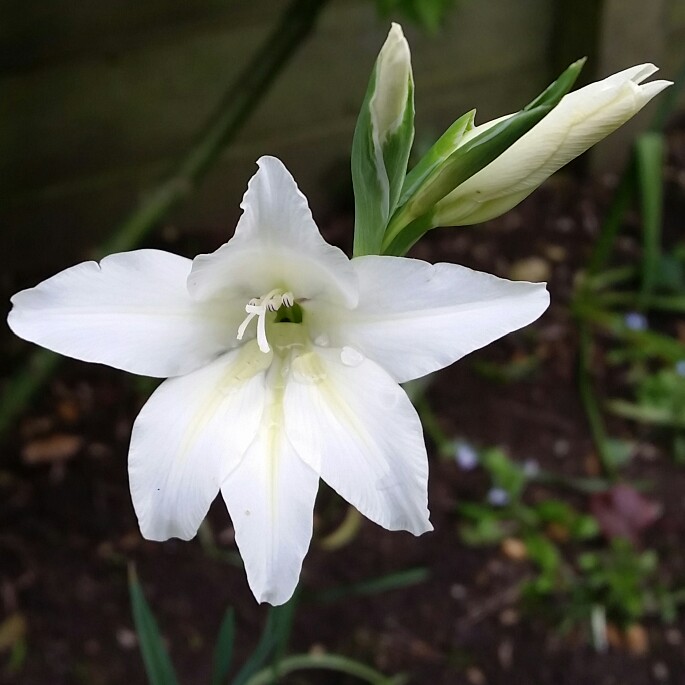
point(258, 306)
point(261, 333)
point(252, 311)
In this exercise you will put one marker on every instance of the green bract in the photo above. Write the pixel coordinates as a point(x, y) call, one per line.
point(472, 173)
point(382, 142)
point(460, 153)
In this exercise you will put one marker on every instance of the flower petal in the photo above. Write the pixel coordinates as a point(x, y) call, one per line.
point(276, 245)
point(131, 311)
point(188, 437)
point(414, 317)
point(270, 498)
point(357, 428)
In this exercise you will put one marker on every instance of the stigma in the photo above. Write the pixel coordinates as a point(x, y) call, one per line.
point(258, 307)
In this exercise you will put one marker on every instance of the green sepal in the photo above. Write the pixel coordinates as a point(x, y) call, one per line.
point(378, 172)
point(437, 154)
point(469, 159)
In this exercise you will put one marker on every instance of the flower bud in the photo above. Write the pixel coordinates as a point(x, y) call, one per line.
point(580, 120)
point(382, 141)
point(393, 80)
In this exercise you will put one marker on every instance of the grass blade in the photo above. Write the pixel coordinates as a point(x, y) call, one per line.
point(158, 666)
point(613, 220)
point(649, 156)
point(392, 581)
point(329, 662)
point(273, 642)
point(223, 651)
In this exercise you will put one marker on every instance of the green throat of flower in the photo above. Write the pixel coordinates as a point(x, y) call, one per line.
point(276, 307)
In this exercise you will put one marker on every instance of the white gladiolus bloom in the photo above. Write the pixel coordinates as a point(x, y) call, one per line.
point(285, 360)
point(580, 120)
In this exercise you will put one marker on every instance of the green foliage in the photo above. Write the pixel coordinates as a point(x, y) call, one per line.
point(621, 579)
point(374, 586)
point(447, 166)
point(569, 583)
point(429, 14)
point(487, 524)
point(657, 282)
point(158, 666)
point(649, 154)
point(223, 651)
point(268, 661)
point(379, 165)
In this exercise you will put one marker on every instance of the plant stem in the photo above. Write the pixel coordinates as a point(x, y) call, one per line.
point(329, 662)
point(235, 107)
point(432, 428)
point(587, 394)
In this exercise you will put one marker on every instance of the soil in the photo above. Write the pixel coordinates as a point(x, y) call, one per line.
point(69, 531)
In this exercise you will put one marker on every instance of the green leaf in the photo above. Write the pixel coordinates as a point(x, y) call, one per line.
point(273, 641)
point(505, 473)
point(487, 531)
point(649, 153)
point(157, 663)
point(369, 222)
point(223, 651)
point(543, 552)
point(374, 586)
point(429, 14)
point(329, 662)
point(444, 171)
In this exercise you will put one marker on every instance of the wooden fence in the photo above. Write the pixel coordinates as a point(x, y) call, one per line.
point(98, 98)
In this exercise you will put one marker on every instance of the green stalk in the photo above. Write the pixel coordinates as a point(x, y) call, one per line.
point(239, 101)
point(432, 429)
point(590, 404)
point(328, 662)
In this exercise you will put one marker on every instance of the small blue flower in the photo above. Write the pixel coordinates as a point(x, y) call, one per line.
point(498, 497)
point(680, 367)
point(466, 456)
point(635, 321)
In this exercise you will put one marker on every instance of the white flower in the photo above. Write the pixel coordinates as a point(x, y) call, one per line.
point(261, 404)
point(580, 120)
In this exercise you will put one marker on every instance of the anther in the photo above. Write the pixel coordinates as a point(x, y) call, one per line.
point(258, 306)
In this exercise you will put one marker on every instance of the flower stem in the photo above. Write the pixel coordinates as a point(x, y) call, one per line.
point(239, 101)
point(432, 429)
point(329, 662)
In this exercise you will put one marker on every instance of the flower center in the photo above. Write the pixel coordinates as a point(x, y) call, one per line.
point(258, 307)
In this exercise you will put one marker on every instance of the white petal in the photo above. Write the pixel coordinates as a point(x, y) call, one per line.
point(131, 311)
point(189, 436)
point(276, 245)
point(270, 498)
point(357, 428)
point(414, 317)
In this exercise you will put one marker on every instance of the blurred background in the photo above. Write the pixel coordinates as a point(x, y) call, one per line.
point(99, 101)
point(557, 486)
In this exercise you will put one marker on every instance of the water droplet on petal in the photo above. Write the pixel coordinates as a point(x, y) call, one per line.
point(307, 368)
point(322, 340)
point(351, 357)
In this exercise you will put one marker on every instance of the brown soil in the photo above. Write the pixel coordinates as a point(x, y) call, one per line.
point(68, 528)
